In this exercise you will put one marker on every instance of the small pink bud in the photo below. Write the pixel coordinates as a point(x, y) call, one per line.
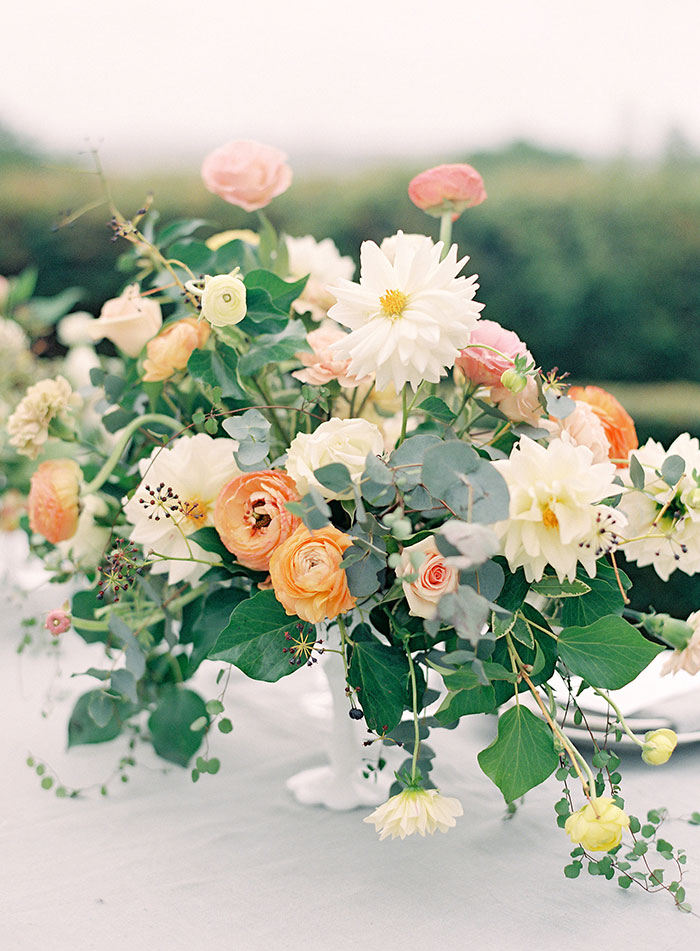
point(58, 621)
point(447, 188)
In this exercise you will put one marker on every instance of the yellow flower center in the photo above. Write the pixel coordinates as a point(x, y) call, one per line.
point(549, 518)
point(195, 511)
point(393, 303)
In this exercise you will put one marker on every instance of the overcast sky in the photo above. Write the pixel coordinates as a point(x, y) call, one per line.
point(152, 80)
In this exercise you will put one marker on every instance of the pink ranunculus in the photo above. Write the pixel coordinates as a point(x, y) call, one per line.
point(485, 367)
point(447, 188)
point(246, 173)
point(323, 364)
point(58, 621)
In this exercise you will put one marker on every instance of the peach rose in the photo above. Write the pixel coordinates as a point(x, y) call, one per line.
point(484, 366)
point(617, 422)
point(323, 365)
point(434, 579)
point(582, 428)
point(250, 516)
point(53, 499)
point(522, 407)
point(447, 188)
point(129, 321)
point(246, 173)
point(170, 350)
point(306, 575)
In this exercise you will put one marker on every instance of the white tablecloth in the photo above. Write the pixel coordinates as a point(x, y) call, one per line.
point(233, 862)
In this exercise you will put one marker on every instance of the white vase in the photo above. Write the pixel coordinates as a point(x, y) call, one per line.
point(341, 784)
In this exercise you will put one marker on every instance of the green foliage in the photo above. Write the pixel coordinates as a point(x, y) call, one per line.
point(608, 653)
point(521, 756)
point(171, 721)
point(218, 368)
point(380, 674)
point(603, 598)
point(83, 726)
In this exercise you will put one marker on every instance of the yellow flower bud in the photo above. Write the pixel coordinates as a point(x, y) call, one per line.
point(658, 746)
point(514, 381)
point(598, 825)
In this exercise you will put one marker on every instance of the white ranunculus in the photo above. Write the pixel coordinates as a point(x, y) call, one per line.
point(555, 515)
point(348, 441)
point(223, 300)
point(175, 498)
point(129, 321)
point(410, 316)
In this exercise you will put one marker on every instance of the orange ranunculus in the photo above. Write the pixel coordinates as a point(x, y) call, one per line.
point(172, 348)
point(306, 575)
point(53, 499)
point(250, 516)
point(617, 422)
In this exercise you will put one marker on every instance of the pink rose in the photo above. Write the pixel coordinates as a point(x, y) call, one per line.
point(434, 580)
point(323, 364)
point(247, 174)
point(447, 188)
point(484, 366)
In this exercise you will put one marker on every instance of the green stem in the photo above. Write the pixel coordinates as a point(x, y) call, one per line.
point(176, 603)
point(284, 437)
point(416, 725)
point(126, 434)
point(404, 417)
point(446, 233)
point(618, 713)
point(343, 642)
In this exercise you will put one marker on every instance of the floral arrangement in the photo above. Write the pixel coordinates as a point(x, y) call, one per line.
point(295, 462)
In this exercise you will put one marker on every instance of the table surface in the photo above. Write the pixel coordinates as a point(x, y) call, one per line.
point(233, 862)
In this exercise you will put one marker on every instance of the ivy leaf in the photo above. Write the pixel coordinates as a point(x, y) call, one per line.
point(603, 599)
point(218, 368)
point(381, 673)
point(438, 409)
point(170, 724)
point(551, 587)
point(522, 755)
point(608, 653)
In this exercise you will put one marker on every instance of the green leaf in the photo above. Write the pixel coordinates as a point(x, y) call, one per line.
point(254, 638)
point(522, 755)
point(218, 368)
point(123, 683)
point(335, 477)
point(381, 673)
point(195, 254)
point(100, 708)
point(82, 728)
point(438, 409)
point(551, 587)
point(461, 703)
point(445, 464)
point(672, 470)
point(170, 722)
point(203, 627)
point(273, 348)
point(608, 653)
point(603, 599)
point(282, 293)
point(637, 473)
point(312, 509)
point(181, 228)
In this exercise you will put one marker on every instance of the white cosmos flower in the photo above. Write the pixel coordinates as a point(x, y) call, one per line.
point(555, 516)
point(324, 264)
point(409, 317)
point(415, 810)
point(664, 521)
point(176, 497)
point(388, 245)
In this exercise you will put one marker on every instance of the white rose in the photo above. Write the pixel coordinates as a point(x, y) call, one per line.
point(348, 441)
point(434, 580)
point(129, 321)
point(223, 300)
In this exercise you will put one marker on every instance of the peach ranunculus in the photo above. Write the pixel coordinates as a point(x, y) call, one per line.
point(129, 321)
point(323, 364)
point(171, 349)
point(306, 575)
point(617, 422)
point(434, 580)
point(251, 518)
point(246, 173)
point(53, 499)
point(485, 367)
point(447, 188)
point(522, 407)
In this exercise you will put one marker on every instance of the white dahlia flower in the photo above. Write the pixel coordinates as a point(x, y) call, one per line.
point(555, 516)
point(324, 264)
point(664, 520)
point(689, 658)
point(29, 424)
point(409, 317)
point(175, 498)
point(415, 810)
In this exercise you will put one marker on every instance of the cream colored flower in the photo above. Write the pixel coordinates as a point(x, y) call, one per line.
point(75, 330)
point(435, 577)
point(29, 424)
point(415, 810)
point(224, 299)
point(216, 241)
point(658, 746)
point(522, 407)
point(664, 521)
point(175, 498)
point(598, 825)
point(687, 659)
point(555, 517)
point(348, 441)
point(324, 265)
point(13, 340)
point(410, 318)
point(129, 321)
point(581, 428)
